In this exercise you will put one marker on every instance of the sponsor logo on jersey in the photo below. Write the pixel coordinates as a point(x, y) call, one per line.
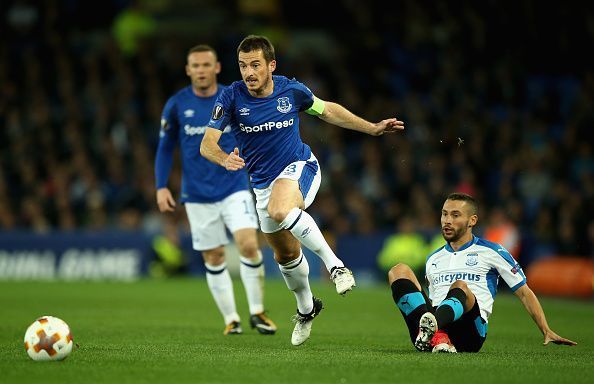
point(471, 259)
point(217, 112)
point(189, 113)
point(244, 111)
point(191, 131)
point(267, 126)
point(516, 269)
point(284, 104)
point(451, 277)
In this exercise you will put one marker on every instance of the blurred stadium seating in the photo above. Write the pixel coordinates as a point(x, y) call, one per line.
point(496, 103)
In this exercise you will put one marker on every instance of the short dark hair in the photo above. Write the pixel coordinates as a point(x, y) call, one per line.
point(257, 43)
point(459, 196)
point(203, 48)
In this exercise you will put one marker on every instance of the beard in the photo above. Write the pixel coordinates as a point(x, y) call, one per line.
point(263, 85)
point(456, 234)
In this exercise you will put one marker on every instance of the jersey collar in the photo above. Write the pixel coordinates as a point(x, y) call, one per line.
point(474, 240)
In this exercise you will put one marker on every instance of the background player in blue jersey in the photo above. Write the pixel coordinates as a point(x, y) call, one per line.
point(263, 111)
point(213, 197)
point(462, 277)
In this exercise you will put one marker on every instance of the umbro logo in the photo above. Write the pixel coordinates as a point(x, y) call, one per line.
point(189, 113)
point(305, 232)
point(244, 111)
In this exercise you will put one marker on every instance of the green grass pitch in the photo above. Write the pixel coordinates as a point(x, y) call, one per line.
point(169, 331)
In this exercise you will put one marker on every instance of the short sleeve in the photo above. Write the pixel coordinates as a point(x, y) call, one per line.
point(304, 97)
point(508, 268)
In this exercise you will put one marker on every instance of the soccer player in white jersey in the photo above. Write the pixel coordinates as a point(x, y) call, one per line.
point(263, 111)
point(214, 198)
point(462, 277)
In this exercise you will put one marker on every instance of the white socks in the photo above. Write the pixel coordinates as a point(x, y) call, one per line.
point(296, 274)
point(221, 288)
point(305, 229)
point(252, 276)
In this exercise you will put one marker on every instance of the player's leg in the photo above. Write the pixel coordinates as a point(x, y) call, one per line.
point(209, 236)
point(410, 300)
point(293, 266)
point(295, 270)
point(458, 301)
point(251, 270)
point(469, 332)
point(240, 217)
point(292, 192)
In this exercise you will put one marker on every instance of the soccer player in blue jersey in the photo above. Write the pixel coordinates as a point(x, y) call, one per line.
point(462, 277)
point(263, 111)
point(214, 198)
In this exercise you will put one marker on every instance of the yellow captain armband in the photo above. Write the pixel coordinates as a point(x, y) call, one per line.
point(317, 108)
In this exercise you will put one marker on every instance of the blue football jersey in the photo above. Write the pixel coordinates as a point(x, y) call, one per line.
point(183, 121)
point(266, 128)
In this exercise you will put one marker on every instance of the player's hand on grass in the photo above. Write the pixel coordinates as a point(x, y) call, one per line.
point(552, 337)
point(388, 125)
point(233, 161)
point(165, 201)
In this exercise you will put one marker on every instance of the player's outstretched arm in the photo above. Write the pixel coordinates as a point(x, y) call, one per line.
point(210, 149)
point(535, 310)
point(338, 115)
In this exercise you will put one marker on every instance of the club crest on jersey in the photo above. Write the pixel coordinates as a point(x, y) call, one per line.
point(284, 105)
point(217, 112)
point(471, 259)
point(189, 113)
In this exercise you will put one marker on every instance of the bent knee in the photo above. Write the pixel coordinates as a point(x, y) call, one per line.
point(278, 214)
point(400, 271)
point(460, 284)
point(286, 257)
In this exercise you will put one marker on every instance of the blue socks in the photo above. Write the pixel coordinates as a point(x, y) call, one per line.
point(452, 308)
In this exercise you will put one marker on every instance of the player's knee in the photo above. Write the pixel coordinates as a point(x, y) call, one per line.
point(400, 271)
point(459, 284)
point(248, 248)
point(214, 256)
point(278, 213)
point(286, 257)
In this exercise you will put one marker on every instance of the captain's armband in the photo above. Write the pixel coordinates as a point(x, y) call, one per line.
point(317, 108)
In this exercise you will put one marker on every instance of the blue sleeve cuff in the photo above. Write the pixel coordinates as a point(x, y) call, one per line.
point(521, 283)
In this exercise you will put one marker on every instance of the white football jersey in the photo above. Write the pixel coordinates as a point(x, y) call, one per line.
point(479, 263)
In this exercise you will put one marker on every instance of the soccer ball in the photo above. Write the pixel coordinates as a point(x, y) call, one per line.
point(48, 338)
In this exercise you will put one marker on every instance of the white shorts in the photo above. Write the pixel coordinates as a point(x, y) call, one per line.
point(208, 220)
point(309, 176)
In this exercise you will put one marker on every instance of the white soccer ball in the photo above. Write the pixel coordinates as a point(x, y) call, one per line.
point(48, 338)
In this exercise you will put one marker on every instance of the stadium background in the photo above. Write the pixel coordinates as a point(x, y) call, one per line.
point(497, 103)
point(497, 98)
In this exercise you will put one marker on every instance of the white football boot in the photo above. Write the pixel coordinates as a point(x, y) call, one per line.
point(343, 279)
